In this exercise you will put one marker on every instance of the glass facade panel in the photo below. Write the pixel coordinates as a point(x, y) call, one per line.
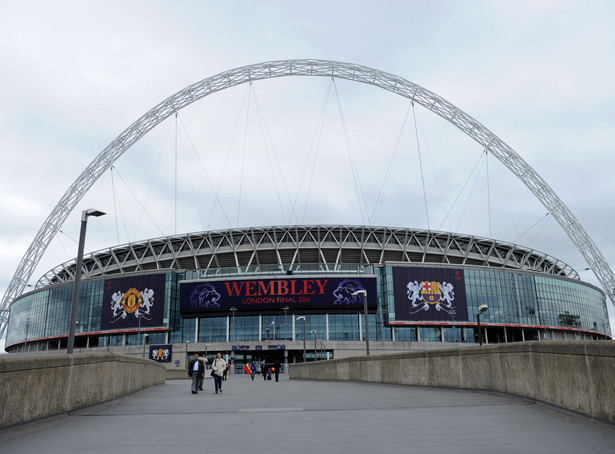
point(430, 334)
point(212, 329)
point(157, 338)
point(344, 327)
point(60, 303)
point(245, 329)
point(313, 322)
point(453, 334)
point(28, 318)
point(405, 334)
point(187, 331)
point(538, 302)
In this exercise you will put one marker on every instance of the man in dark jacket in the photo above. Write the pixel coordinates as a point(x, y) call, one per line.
point(196, 370)
point(276, 369)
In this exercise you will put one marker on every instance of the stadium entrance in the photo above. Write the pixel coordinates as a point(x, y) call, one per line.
point(243, 357)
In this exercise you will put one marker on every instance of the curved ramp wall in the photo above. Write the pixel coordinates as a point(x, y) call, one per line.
point(574, 375)
point(34, 387)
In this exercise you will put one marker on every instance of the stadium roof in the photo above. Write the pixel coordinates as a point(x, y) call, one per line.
point(329, 247)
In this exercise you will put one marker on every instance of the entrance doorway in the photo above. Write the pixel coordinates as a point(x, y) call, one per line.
point(244, 357)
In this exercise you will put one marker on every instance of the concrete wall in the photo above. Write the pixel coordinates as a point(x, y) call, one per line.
point(579, 376)
point(33, 387)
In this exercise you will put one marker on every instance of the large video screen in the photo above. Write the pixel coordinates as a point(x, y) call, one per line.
point(304, 293)
point(133, 302)
point(429, 294)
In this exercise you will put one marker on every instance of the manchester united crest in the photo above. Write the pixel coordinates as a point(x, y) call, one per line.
point(133, 302)
point(161, 353)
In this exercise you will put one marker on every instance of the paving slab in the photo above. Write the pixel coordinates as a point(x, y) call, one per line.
point(298, 416)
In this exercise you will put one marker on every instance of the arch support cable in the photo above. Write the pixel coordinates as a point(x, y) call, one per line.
point(312, 68)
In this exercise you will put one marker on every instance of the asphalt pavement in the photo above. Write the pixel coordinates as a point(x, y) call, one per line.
point(298, 416)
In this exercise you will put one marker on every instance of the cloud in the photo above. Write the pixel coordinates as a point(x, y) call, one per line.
point(537, 74)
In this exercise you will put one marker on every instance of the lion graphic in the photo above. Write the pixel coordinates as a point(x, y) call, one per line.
point(205, 296)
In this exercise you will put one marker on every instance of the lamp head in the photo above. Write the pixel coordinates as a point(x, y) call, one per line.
point(359, 292)
point(301, 317)
point(91, 212)
point(482, 308)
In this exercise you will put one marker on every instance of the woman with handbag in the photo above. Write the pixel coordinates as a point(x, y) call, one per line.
point(218, 367)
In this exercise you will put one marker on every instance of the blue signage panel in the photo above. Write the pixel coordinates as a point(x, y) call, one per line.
point(429, 294)
point(305, 293)
point(277, 347)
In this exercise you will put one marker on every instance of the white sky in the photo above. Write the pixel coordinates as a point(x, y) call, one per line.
point(75, 74)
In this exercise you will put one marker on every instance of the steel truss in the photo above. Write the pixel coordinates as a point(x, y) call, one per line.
point(313, 68)
point(332, 247)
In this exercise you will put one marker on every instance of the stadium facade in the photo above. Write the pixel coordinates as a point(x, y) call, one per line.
point(283, 292)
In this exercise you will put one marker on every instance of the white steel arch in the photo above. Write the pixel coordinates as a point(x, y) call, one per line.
point(314, 68)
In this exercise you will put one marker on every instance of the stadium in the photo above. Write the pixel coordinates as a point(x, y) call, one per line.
point(530, 295)
point(304, 292)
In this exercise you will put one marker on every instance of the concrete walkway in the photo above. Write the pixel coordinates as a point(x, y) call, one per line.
point(297, 416)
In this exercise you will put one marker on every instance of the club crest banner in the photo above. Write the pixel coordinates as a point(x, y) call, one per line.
point(429, 294)
point(161, 353)
point(132, 302)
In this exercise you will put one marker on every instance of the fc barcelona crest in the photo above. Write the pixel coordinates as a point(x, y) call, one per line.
point(430, 291)
point(427, 294)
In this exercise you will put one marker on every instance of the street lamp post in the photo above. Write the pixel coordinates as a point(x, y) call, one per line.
point(28, 322)
point(301, 317)
point(145, 336)
point(319, 340)
point(364, 293)
point(505, 335)
point(482, 308)
point(285, 309)
point(314, 333)
point(78, 270)
point(233, 310)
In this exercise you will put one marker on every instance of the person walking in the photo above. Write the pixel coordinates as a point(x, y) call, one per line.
point(264, 369)
point(252, 370)
point(218, 368)
point(276, 369)
point(202, 377)
point(196, 370)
